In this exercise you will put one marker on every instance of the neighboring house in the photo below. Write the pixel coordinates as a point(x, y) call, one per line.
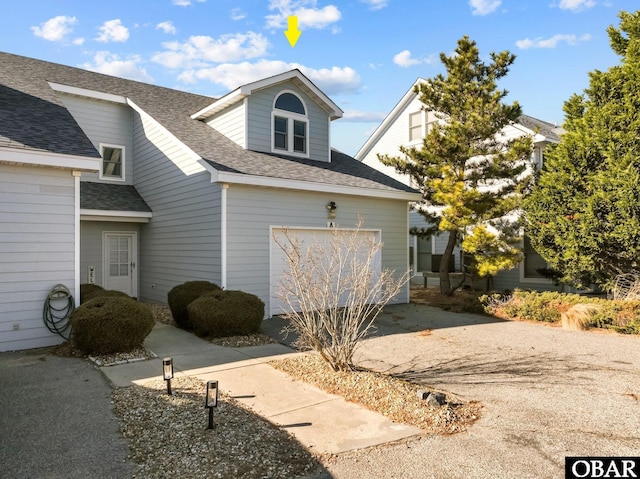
point(406, 125)
point(140, 188)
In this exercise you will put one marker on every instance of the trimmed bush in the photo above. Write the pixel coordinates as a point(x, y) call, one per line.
point(110, 324)
point(91, 291)
point(87, 291)
point(226, 313)
point(183, 294)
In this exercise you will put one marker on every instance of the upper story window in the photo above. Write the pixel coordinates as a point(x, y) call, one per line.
point(419, 127)
point(290, 125)
point(112, 162)
point(415, 126)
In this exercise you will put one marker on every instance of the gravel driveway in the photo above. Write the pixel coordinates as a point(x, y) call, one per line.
point(547, 394)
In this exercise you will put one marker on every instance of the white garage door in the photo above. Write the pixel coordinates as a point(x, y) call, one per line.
point(307, 237)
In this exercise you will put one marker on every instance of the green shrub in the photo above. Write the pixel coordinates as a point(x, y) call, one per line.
point(183, 294)
point(87, 290)
point(94, 291)
point(547, 306)
point(110, 324)
point(226, 313)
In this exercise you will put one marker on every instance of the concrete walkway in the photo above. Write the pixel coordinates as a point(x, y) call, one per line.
point(322, 422)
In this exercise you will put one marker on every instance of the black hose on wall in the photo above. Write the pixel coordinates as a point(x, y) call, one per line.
point(57, 308)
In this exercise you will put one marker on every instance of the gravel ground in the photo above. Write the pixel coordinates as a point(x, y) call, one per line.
point(394, 398)
point(169, 437)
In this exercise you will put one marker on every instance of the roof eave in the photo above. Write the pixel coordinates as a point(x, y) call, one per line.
point(25, 156)
point(301, 185)
point(240, 93)
point(389, 119)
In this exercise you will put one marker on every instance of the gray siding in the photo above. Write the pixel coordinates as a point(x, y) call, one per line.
point(260, 107)
point(104, 122)
point(37, 242)
point(91, 245)
point(231, 123)
point(252, 211)
point(182, 240)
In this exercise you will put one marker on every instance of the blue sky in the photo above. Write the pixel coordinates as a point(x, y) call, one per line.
point(365, 54)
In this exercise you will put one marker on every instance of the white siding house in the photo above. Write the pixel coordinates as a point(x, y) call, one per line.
point(406, 125)
point(141, 188)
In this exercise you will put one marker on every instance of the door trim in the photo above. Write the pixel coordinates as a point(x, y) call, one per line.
point(134, 258)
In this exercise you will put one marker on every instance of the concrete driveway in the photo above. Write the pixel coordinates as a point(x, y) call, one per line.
point(547, 393)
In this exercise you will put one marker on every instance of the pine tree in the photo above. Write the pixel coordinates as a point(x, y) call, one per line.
point(583, 216)
point(472, 179)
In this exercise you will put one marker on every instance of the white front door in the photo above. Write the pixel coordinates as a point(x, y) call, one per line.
point(119, 262)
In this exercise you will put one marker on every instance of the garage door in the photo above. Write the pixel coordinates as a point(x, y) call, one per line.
point(308, 237)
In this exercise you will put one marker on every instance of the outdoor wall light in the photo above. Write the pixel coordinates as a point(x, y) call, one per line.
point(211, 400)
point(167, 372)
point(331, 209)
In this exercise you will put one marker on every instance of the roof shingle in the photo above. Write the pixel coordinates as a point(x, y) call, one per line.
point(171, 108)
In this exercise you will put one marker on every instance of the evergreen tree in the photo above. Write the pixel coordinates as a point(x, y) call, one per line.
point(583, 216)
point(470, 176)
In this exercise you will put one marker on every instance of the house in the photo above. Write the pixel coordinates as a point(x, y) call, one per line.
point(139, 188)
point(406, 125)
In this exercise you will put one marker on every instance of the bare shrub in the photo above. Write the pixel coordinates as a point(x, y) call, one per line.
point(626, 287)
point(333, 292)
point(578, 317)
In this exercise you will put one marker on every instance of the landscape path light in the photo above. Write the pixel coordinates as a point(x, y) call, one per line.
point(211, 400)
point(167, 372)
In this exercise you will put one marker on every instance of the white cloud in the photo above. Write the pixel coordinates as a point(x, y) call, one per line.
point(552, 42)
point(55, 29)
point(484, 7)
point(309, 16)
point(405, 60)
point(185, 3)
point(78, 41)
point(111, 64)
point(376, 4)
point(113, 31)
point(201, 50)
point(166, 27)
point(576, 5)
point(356, 116)
point(232, 75)
point(237, 14)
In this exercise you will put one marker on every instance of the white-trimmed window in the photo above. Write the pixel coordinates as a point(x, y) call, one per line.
point(415, 125)
point(290, 125)
point(419, 125)
point(113, 157)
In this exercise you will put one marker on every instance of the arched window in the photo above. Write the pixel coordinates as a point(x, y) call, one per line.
point(290, 124)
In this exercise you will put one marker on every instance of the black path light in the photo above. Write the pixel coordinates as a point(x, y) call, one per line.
point(211, 400)
point(167, 372)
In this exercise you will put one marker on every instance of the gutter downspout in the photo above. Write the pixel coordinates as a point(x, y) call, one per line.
point(76, 235)
point(223, 235)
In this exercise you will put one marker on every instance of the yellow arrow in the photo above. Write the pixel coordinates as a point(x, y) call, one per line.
point(292, 33)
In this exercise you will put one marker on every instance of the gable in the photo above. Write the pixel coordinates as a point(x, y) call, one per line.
point(260, 111)
point(105, 124)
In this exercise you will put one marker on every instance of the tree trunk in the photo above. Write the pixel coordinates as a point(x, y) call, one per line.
point(445, 281)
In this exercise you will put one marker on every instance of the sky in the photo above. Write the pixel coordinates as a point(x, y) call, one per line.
point(364, 54)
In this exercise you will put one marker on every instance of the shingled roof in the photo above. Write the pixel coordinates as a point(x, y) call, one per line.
point(549, 130)
point(110, 197)
point(27, 79)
